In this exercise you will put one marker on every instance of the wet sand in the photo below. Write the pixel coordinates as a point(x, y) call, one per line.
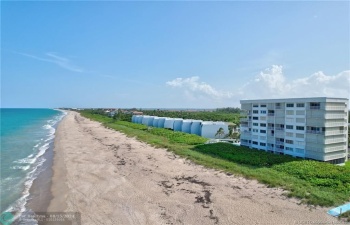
point(113, 179)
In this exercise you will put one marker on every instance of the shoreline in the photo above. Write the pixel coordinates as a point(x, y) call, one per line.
point(41, 189)
point(113, 179)
point(58, 181)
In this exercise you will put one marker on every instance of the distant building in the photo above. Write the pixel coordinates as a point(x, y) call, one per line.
point(314, 128)
point(137, 113)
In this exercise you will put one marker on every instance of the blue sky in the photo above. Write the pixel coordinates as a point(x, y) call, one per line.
point(171, 54)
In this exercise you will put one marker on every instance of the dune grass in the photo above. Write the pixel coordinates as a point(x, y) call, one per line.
point(315, 183)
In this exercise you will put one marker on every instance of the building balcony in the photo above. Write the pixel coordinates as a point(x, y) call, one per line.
point(245, 120)
point(315, 107)
point(334, 132)
point(335, 108)
point(314, 132)
point(279, 143)
point(279, 149)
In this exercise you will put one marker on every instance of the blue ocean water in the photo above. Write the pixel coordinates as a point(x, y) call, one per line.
point(25, 136)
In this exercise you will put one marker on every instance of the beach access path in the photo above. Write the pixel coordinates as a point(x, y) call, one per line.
point(113, 179)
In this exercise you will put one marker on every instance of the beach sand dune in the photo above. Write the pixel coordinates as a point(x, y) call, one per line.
point(113, 179)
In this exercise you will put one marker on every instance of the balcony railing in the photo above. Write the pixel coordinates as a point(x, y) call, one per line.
point(279, 128)
point(314, 132)
point(279, 143)
point(315, 107)
point(279, 149)
point(271, 114)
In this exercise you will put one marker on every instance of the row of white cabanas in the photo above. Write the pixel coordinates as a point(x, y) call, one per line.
point(207, 129)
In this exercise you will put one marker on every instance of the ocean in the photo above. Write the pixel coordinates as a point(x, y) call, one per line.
point(26, 134)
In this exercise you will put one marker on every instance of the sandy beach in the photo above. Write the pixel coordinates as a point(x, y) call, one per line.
point(113, 179)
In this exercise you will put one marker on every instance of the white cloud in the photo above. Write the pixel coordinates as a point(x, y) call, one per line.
point(193, 88)
point(58, 60)
point(272, 83)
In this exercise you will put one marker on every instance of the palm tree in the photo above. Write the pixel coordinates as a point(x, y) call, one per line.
point(220, 132)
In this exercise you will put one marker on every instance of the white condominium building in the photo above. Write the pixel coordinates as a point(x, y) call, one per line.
point(313, 128)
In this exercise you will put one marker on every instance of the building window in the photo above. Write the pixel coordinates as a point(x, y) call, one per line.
point(289, 120)
point(262, 137)
point(263, 111)
point(278, 105)
point(289, 149)
point(315, 105)
point(299, 135)
point(289, 141)
point(262, 144)
point(255, 111)
point(299, 150)
point(300, 128)
point(255, 106)
point(255, 142)
point(255, 124)
point(300, 112)
point(288, 134)
point(290, 105)
point(263, 131)
point(290, 112)
point(255, 118)
point(300, 105)
point(289, 127)
point(262, 105)
point(255, 130)
point(300, 120)
point(314, 130)
point(263, 124)
point(300, 143)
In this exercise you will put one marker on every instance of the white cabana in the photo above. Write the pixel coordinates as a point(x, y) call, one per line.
point(196, 127)
point(186, 126)
point(209, 129)
point(155, 121)
point(178, 124)
point(139, 119)
point(161, 122)
point(147, 120)
point(169, 123)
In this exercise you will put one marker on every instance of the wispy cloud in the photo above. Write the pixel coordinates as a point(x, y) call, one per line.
point(192, 87)
point(54, 58)
point(272, 83)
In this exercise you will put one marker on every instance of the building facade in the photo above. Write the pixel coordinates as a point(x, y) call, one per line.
point(312, 128)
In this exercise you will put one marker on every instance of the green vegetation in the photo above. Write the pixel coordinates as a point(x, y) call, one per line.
point(347, 164)
point(221, 115)
point(314, 182)
point(242, 155)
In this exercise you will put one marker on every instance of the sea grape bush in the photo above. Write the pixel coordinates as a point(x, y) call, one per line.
point(318, 173)
point(243, 155)
point(178, 137)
